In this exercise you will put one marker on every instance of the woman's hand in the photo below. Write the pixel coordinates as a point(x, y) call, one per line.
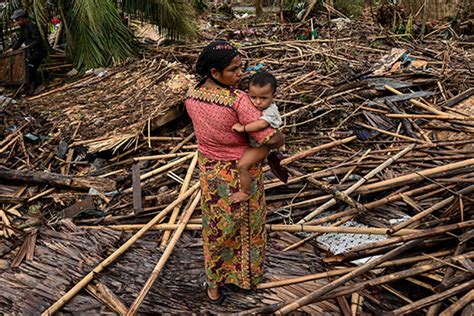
point(237, 127)
point(277, 140)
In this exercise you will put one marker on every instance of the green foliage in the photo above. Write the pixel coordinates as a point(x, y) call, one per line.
point(296, 7)
point(172, 17)
point(40, 14)
point(7, 11)
point(200, 6)
point(96, 35)
point(350, 8)
point(409, 25)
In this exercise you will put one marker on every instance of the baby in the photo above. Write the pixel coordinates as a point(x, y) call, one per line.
point(262, 88)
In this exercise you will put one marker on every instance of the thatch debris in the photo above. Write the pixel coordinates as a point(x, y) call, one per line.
point(379, 135)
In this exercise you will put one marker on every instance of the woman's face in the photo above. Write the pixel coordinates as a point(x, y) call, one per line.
point(230, 75)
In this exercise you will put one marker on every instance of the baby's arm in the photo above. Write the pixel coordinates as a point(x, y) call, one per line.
point(254, 126)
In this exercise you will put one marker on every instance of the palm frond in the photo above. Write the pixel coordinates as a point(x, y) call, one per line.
point(7, 11)
point(173, 18)
point(40, 14)
point(96, 35)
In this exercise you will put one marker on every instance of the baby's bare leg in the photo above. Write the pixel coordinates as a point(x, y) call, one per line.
point(248, 159)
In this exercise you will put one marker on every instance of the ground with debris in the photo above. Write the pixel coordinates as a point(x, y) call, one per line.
point(379, 133)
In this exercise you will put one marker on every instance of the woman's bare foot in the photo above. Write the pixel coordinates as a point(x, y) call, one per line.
point(240, 196)
point(213, 293)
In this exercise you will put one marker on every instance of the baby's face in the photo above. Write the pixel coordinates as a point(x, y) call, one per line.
point(261, 97)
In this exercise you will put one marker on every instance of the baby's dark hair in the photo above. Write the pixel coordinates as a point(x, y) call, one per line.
point(263, 78)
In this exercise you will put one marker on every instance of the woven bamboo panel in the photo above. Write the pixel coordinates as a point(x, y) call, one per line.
point(13, 68)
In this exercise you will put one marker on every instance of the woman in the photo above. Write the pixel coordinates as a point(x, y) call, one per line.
point(233, 234)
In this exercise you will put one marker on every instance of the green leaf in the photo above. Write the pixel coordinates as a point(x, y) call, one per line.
point(173, 18)
point(96, 35)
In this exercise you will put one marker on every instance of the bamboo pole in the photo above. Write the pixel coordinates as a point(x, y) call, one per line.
point(343, 305)
point(318, 174)
point(161, 138)
point(165, 167)
point(312, 236)
point(413, 177)
point(388, 199)
point(338, 272)
point(12, 135)
point(430, 300)
point(160, 170)
point(184, 188)
point(455, 279)
point(348, 289)
point(73, 291)
point(460, 303)
point(356, 303)
point(307, 299)
point(164, 258)
point(7, 231)
point(320, 101)
point(432, 117)
point(356, 185)
point(422, 234)
point(107, 297)
point(12, 141)
point(411, 139)
point(64, 87)
point(434, 309)
point(164, 156)
point(354, 255)
point(182, 143)
point(338, 195)
point(364, 155)
point(273, 228)
point(417, 103)
point(429, 210)
point(135, 227)
point(313, 150)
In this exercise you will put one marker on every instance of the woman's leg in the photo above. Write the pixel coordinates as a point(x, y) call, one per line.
point(234, 236)
point(251, 157)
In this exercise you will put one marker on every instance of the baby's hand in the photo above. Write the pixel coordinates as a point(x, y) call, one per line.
point(237, 127)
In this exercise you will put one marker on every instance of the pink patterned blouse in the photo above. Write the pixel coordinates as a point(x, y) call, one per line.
point(214, 113)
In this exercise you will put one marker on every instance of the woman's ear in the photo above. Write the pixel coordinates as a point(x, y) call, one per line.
point(215, 73)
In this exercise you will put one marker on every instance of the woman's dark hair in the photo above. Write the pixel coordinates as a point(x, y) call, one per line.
point(263, 78)
point(218, 55)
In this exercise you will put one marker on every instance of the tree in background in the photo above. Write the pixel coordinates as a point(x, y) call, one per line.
point(95, 32)
point(258, 8)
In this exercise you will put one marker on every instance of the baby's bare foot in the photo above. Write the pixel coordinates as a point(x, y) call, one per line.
point(239, 197)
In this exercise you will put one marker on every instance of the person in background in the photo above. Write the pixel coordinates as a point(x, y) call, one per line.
point(36, 48)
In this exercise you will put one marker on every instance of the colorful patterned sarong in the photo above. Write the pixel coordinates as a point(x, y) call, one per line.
point(234, 234)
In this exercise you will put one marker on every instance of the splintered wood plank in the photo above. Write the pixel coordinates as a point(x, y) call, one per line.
point(137, 190)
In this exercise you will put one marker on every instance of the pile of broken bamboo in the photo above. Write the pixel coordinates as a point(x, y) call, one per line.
point(379, 134)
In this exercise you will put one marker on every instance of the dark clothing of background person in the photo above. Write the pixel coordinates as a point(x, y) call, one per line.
point(36, 50)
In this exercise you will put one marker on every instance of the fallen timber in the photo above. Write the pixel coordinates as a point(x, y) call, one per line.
point(350, 101)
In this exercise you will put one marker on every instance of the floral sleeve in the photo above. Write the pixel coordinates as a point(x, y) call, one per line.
point(246, 113)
